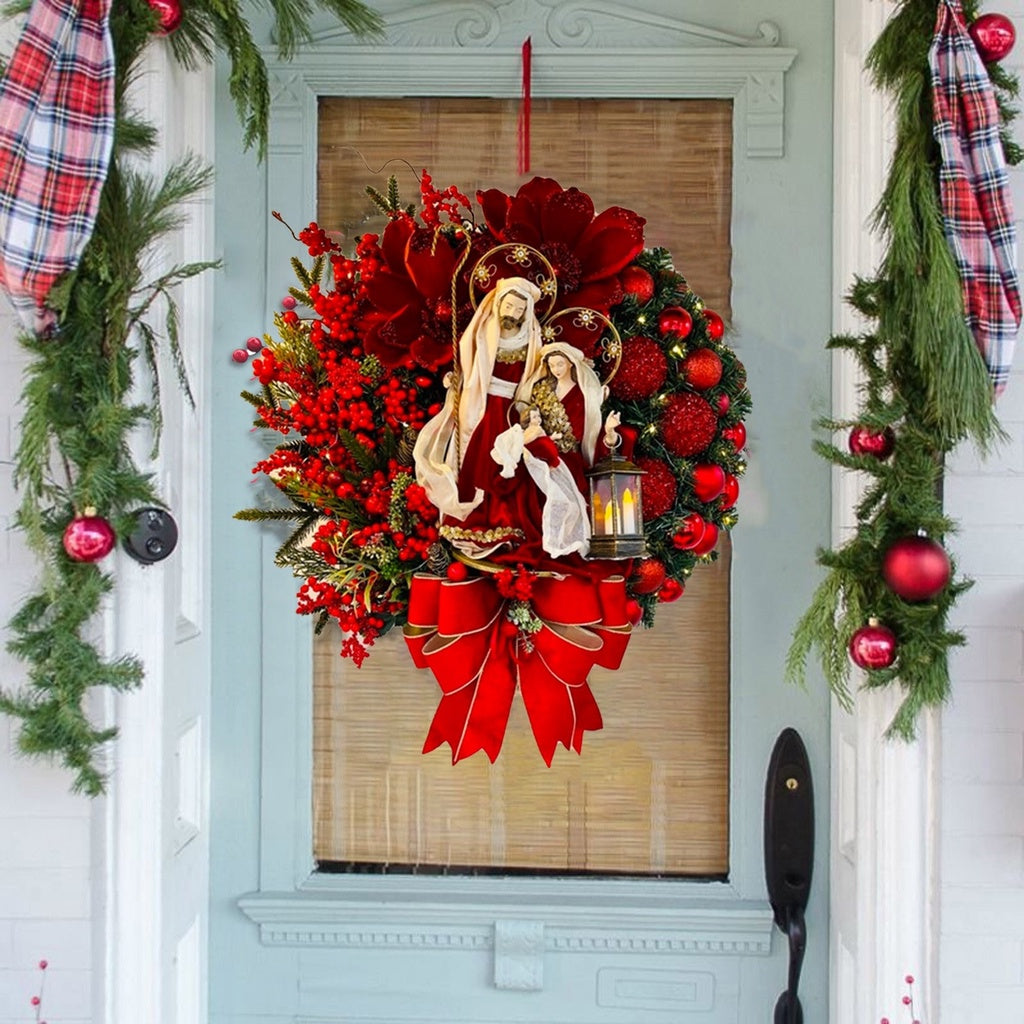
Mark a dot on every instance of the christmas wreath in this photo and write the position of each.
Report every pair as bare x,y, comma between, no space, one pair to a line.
364,383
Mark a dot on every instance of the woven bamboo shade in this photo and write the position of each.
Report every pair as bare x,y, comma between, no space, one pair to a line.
651,792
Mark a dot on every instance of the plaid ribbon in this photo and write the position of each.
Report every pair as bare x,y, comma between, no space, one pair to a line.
56,134
975,195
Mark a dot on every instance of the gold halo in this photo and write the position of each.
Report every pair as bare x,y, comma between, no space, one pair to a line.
612,353
519,256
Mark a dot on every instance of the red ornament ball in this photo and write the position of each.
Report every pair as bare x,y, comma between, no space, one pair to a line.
659,487
702,368
88,538
730,492
169,15
689,532
254,344
240,355
737,435
676,321
708,481
634,611
457,571
637,282
649,576
688,424
873,646
715,325
671,590
708,541
993,36
642,371
288,302
916,568
722,404
877,444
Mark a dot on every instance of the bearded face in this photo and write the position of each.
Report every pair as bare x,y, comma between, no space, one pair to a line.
512,311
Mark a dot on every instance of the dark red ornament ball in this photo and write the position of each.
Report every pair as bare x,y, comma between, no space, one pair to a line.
688,424
873,646
88,538
254,344
715,325
648,576
637,282
876,443
916,568
671,590
240,355
659,487
169,14
642,371
675,321
993,36
702,368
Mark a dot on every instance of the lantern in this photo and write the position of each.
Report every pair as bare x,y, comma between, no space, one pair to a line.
616,511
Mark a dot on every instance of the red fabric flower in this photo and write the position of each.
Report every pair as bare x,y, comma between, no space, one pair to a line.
587,252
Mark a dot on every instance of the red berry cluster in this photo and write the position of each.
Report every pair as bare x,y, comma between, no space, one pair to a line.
451,203
317,240
517,585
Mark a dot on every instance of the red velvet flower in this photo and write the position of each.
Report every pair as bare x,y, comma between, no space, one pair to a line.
410,298
587,252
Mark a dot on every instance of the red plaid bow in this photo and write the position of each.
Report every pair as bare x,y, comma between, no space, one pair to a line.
975,195
56,135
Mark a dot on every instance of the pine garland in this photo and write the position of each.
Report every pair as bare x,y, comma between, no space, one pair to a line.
79,417
922,377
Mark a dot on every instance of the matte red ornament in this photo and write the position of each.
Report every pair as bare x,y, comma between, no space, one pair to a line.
916,568
660,487
637,282
730,492
708,480
642,371
689,531
688,424
715,325
708,541
873,646
457,572
737,435
993,36
169,13
702,369
671,590
865,441
634,611
649,576
88,538
676,321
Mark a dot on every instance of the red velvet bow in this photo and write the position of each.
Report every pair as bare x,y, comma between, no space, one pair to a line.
460,631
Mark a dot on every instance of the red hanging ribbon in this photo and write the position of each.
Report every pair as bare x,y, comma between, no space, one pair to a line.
459,630
524,110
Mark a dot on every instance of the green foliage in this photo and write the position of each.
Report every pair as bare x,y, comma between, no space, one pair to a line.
922,377
79,416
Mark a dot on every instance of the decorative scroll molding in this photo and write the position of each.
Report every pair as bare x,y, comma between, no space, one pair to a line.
726,926
461,47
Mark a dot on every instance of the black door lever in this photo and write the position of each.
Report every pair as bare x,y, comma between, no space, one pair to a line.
789,856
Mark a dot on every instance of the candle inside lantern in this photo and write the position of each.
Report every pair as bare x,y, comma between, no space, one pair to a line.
598,516
609,518
628,512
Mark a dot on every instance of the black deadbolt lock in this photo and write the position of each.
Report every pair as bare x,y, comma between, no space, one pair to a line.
154,537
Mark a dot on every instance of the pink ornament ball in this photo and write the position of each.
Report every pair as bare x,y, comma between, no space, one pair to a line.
169,15
916,568
873,646
88,538
254,344
288,302
993,35
240,355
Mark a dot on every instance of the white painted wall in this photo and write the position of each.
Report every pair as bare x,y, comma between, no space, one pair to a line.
46,900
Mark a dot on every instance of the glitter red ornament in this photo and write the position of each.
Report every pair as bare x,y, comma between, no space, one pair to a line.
993,36
715,325
865,441
169,14
676,321
916,568
671,590
688,424
702,369
642,371
88,537
708,481
648,577
873,646
660,486
637,282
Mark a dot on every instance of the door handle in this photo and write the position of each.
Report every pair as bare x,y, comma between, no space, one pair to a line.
789,856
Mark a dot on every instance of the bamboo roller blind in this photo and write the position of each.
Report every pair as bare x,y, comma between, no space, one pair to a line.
651,792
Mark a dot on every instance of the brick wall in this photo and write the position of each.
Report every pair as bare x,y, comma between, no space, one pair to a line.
45,832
